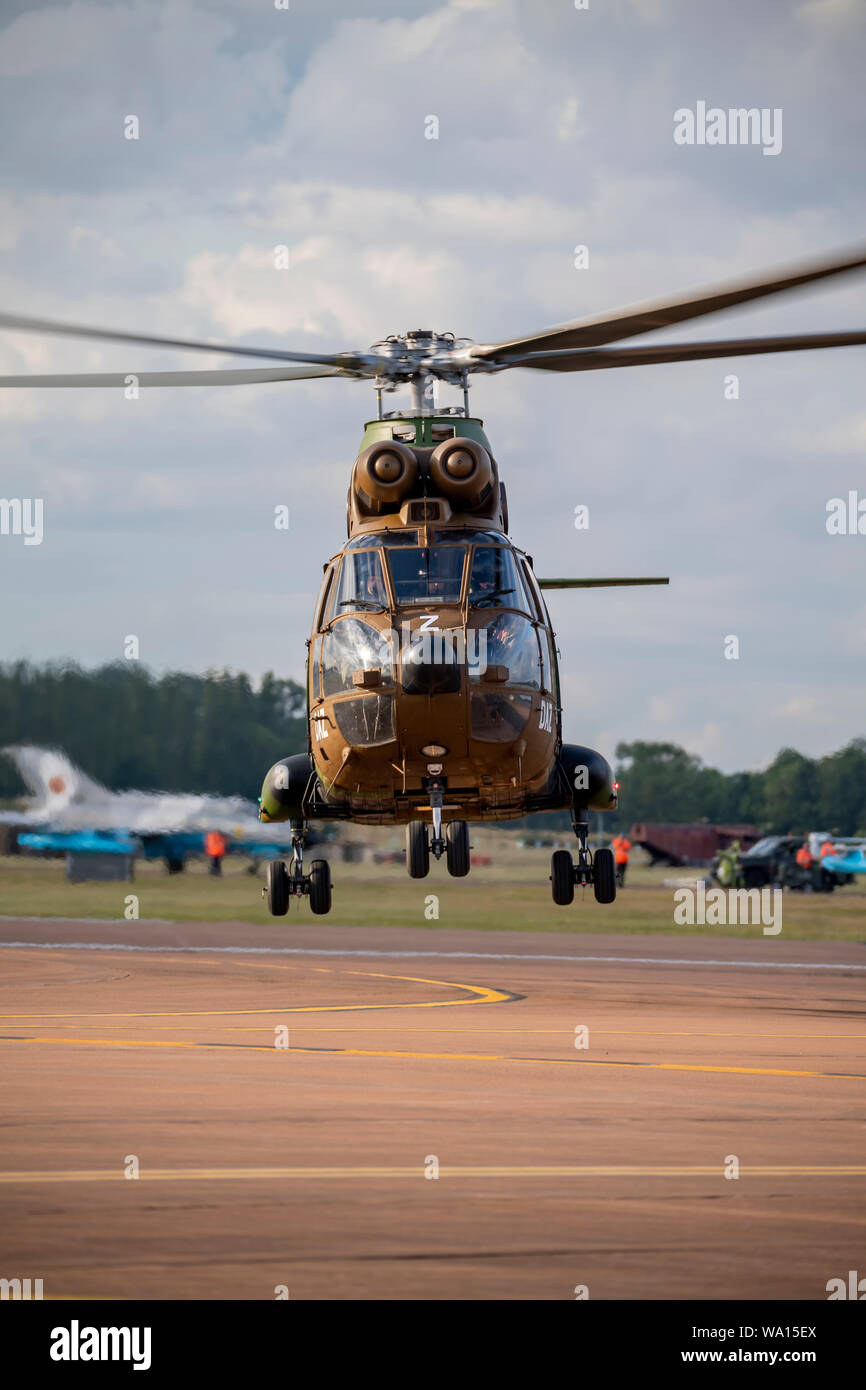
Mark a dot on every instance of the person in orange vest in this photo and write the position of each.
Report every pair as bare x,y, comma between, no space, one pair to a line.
215,848
805,861
827,848
620,846
804,857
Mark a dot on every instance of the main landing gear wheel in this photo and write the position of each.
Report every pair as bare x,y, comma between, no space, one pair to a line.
457,848
277,888
562,877
320,887
417,849
604,876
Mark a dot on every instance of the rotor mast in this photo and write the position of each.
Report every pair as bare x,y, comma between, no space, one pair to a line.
418,359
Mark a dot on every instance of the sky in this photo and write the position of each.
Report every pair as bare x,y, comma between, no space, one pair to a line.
306,127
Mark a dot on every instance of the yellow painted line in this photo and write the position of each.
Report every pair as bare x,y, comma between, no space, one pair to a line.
574,1061
565,1032
481,994
484,994
353,1173
438,1056
657,1033
757,1071
132,1042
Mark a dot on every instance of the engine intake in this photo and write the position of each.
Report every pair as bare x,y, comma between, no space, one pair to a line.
384,473
462,470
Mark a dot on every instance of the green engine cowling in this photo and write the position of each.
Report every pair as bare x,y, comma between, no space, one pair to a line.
589,776
286,788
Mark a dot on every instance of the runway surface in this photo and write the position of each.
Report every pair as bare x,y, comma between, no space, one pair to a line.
309,1168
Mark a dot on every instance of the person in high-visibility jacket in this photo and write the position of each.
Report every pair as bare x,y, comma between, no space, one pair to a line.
620,846
804,857
215,848
827,848
728,871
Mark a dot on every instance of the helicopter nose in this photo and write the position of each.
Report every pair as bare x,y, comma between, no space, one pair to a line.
428,672
430,678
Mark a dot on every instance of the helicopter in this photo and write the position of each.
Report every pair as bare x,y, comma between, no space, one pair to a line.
433,696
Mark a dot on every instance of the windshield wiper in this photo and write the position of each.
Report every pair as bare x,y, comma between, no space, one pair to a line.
487,600
362,603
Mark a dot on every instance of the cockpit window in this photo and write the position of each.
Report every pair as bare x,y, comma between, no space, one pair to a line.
467,533
351,648
495,580
509,643
323,595
361,586
380,538
531,584
430,575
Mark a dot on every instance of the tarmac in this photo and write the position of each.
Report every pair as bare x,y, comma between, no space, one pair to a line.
220,1111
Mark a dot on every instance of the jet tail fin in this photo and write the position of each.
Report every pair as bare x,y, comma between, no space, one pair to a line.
52,780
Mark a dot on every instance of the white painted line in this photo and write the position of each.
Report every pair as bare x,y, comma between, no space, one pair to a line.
98,921
419,955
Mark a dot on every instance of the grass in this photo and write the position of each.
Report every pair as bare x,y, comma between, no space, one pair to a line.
510,894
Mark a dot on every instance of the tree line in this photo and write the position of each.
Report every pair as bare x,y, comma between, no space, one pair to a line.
220,732
128,728
662,782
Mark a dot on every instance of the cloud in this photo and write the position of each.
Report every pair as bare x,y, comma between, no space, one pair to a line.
306,128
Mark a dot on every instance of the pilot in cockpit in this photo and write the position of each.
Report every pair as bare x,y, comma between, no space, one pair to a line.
371,587
485,575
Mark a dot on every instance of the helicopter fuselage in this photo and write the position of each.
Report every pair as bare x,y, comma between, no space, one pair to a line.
432,659
429,668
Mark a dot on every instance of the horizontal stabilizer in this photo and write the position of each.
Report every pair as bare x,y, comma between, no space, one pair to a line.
596,583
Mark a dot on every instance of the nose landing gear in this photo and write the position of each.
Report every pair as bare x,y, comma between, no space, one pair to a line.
454,844
597,869
283,882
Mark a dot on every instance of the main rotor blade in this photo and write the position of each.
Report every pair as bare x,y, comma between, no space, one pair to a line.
349,360
628,323
246,376
596,583
590,359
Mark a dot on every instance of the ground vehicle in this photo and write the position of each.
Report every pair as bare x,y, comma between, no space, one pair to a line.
772,861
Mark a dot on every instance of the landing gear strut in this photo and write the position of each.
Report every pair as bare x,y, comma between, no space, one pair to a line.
436,786
597,869
283,882
454,844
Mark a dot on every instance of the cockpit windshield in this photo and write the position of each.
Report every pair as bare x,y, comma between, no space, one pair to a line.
371,541
495,580
433,574
362,584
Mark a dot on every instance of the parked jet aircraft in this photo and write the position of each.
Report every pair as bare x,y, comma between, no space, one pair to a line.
64,802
